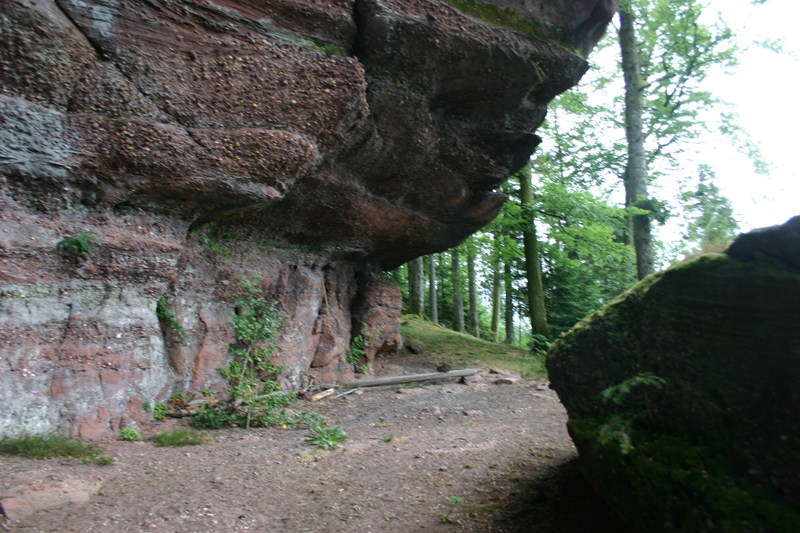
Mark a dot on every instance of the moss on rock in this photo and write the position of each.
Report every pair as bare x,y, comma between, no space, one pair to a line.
718,447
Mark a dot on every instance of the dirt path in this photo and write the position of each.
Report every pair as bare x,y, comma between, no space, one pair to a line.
433,458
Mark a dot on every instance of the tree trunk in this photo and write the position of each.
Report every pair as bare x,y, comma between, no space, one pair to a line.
509,314
458,297
533,268
416,294
636,167
496,290
432,296
474,319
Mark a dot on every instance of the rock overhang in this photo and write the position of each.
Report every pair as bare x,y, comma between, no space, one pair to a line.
308,143
300,111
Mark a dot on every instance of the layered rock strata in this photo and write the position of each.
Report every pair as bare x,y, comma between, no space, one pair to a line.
191,144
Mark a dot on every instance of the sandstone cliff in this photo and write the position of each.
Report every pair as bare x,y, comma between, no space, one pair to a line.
309,142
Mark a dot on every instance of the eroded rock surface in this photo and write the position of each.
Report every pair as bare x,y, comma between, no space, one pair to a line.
311,143
717,447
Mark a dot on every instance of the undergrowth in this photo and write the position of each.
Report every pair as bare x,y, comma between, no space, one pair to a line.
257,398
357,353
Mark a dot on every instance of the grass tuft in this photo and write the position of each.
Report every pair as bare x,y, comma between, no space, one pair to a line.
49,446
179,437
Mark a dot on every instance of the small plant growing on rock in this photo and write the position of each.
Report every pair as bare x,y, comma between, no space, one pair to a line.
358,349
169,321
252,375
77,246
160,411
620,426
130,434
256,396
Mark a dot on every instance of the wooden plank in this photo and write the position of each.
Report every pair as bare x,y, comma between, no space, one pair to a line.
324,394
395,380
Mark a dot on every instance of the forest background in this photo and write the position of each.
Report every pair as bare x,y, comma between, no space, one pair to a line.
635,172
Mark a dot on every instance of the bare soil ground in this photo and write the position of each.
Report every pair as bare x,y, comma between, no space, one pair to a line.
436,457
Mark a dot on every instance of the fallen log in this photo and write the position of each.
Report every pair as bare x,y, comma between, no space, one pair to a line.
395,380
345,393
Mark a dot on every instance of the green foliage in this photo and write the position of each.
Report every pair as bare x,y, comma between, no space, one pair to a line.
160,411
251,375
146,406
257,398
454,499
619,427
620,392
130,434
326,437
711,224
586,260
169,321
49,446
358,348
539,345
214,418
79,245
389,437
179,437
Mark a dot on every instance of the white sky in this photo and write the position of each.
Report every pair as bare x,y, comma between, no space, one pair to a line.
763,89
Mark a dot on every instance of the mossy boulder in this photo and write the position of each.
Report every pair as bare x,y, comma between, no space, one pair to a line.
683,394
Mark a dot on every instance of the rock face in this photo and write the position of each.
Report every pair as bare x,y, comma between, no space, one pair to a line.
191,144
716,445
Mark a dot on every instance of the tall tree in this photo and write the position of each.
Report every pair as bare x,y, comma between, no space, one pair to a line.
497,280
433,298
472,282
458,296
509,307
533,266
635,177
416,292
712,225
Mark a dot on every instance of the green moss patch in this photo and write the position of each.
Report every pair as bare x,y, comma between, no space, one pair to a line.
512,20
